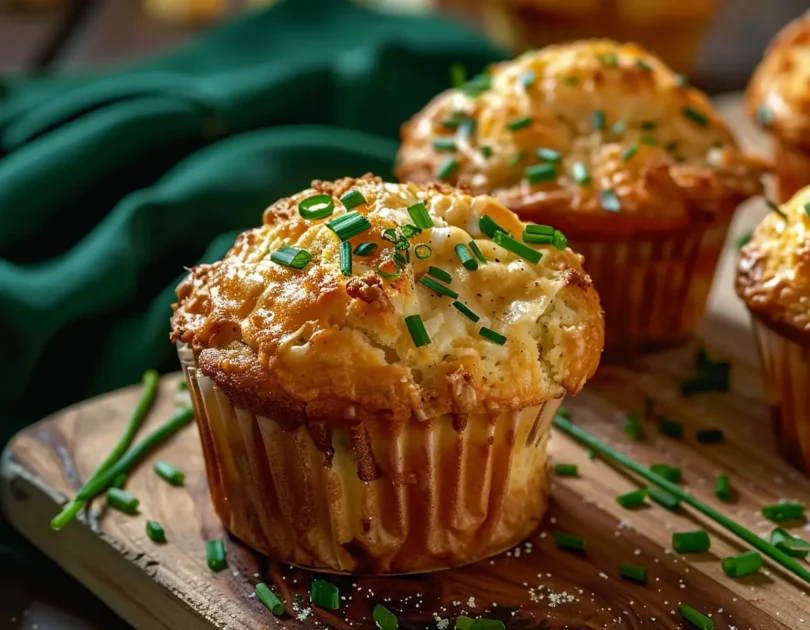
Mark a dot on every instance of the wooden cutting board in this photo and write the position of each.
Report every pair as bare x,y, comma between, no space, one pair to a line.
535,585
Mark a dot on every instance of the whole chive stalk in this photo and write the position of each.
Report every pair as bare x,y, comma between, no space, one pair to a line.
122,501
566,470
697,619
691,542
215,555
783,512
569,541
171,474
155,532
743,564
324,594
384,619
663,498
631,500
150,382
119,482
633,573
722,488
269,599
632,427
608,452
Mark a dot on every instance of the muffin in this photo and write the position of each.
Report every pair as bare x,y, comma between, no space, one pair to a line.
374,377
605,143
673,29
773,278
778,99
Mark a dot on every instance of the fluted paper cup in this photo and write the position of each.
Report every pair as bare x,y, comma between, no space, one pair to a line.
385,498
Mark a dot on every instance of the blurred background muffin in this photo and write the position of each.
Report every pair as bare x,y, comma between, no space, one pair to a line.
607,144
773,279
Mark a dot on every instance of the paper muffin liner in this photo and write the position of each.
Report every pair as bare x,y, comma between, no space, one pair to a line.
786,375
792,168
450,490
653,291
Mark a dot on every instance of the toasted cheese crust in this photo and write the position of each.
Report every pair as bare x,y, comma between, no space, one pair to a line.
777,96
773,274
314,344
615,118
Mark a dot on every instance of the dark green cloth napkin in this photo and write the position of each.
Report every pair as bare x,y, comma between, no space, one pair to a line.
110,184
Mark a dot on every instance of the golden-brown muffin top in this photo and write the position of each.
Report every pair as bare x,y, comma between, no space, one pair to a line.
773,274
589,128
316,343
778,95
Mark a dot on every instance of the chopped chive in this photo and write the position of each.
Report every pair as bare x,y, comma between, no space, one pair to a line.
650,141
691,542
696,116
431,284
120,480
807,209
409,231
346,258
316,207
401,260
663,498
633,573
618,128
580,173
792,545
743,564
182,385
527,79
631,500
269,599
590,454
291,257
486,151
477,252
517,124
671,428
566,470
632,427
709,436
670,473
563,413
440,274
390,235
458,75
629,152
489,227
549,155
682,80
447,168
774,207
454,120
722,487
515,159
598,119
783,512
122,501
609,201
420,216
365,249
492,336
215,555
569,541
487,624
571,81
173,475
384,618
643,65
324,594
697,619
609,59
649,125
764,115
417,330
671,146
534,228
352,199
466,257
461,308
544,172
155,532
422,251
389,275
476,86
444,144
349,225
517,248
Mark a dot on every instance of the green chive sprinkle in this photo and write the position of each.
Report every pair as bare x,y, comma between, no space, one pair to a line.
420,216
454,120
571,81
609,200
618,128
709,436
384,618
417,329
440,274
444,144
609,59
486,151
477,252
122,501
349,225
120,480
783,512
693,616
431,284
566,470
633,573
649,125
598,119
489,227
365,249
527,79
492,336
743,564
316,207
663,498
549,155
352,199
182,385
629,152
650,141
461,308
458,75
171,474
569,541
671,146
519,123
807,209
389,275
643,65
691,542
517,248
155,532
544,172
533,229
422,251
670,473
764,115
631,500
463,622
447,168
487,624
695,116
390,235
632,427
324,595
346,258
269,599
682,80
215,555
291,257
792,545
722,488
580,173
476,86
409,231
671,428
466,257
